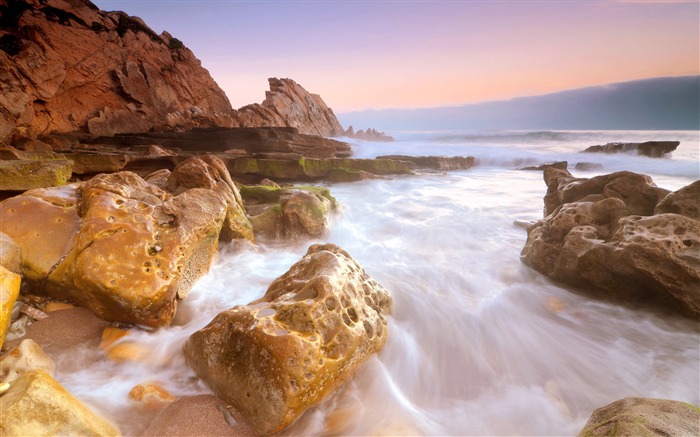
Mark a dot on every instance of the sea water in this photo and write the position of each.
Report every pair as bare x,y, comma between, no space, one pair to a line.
479,344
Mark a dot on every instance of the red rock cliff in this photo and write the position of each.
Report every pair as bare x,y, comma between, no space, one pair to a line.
66,66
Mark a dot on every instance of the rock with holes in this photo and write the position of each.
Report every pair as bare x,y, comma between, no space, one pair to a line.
275,357
35,404
116,244
600,244
685,201
289,212
633,417
23,358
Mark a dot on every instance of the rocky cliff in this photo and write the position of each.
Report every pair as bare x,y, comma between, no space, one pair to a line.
66,66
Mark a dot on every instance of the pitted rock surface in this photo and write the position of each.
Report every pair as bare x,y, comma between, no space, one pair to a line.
280,355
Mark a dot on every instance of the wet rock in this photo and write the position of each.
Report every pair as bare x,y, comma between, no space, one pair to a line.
24,357
561,165
280,355
685,201
9,253
196,416
290,212
210,172
151,396
632,417
9,290
120,246
653,149
18,175
603,245
588,166
35,404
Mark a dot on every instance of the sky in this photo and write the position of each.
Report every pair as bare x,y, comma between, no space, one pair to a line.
407,54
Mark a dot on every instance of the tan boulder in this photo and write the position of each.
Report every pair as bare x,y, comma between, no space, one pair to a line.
35,404
278,356
9,290
23,358
151,396
211,173
634,417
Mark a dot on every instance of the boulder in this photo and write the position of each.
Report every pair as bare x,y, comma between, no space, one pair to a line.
633,417
122,247
290,212
278,356
685,201
9,253
19,175
151,396
597,240
653,149
9,290
35,404
23,358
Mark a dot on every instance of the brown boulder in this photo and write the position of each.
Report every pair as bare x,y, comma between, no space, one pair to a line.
633,417
685,201
10,257
599,243
35,404
278,356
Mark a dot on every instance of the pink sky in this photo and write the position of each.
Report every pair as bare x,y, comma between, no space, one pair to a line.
402,54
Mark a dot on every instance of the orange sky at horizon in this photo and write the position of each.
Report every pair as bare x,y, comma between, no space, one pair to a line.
408,54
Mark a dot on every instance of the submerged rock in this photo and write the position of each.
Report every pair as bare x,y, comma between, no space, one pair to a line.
602,236
280,355
122,247
35,404
653,149
633,417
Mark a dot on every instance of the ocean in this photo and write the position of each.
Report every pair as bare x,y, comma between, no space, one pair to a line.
479,344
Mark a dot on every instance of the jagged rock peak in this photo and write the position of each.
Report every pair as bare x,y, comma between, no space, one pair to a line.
288,104
66,66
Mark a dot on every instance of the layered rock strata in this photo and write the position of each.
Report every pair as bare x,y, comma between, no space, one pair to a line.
125,248
280,355
606,235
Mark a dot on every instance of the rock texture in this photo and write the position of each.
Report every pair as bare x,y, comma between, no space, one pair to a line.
35,404
122,247
633,417
66,66
23,358
288,104
653,149
16,175
602,234
290,212
278,356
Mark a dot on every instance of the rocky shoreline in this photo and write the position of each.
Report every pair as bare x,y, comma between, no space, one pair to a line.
117,197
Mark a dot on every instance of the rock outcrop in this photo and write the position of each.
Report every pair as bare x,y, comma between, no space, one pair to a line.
121,246
602,234
35,404
67,66
288,104
633,417
370,134
653,149
279,355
